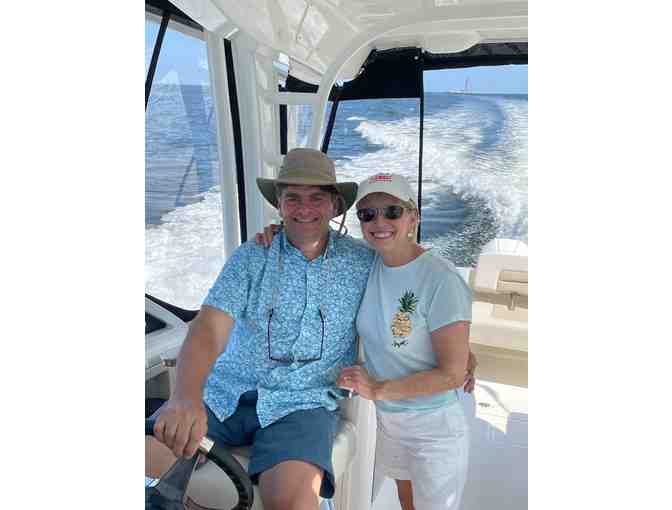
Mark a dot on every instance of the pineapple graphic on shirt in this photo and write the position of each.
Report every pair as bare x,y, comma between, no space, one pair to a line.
401,324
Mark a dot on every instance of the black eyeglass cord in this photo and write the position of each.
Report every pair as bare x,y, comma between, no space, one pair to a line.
281,267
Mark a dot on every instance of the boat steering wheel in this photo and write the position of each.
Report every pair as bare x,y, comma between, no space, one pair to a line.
168,493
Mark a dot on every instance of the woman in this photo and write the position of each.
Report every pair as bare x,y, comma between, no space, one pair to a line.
414,327
413,324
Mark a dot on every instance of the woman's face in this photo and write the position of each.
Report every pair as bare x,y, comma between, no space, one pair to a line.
384,234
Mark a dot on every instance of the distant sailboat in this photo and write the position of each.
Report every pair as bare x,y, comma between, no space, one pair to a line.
465,90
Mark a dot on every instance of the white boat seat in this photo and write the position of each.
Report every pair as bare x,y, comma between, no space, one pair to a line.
500,276
500,290
210,487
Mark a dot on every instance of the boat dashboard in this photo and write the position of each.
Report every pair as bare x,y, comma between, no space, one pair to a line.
165,329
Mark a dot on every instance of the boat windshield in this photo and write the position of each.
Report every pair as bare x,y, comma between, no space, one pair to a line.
474,162
182,200
474,168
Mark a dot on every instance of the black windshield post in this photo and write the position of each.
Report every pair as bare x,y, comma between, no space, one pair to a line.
330,124
155,55
237,139
422,127
283,129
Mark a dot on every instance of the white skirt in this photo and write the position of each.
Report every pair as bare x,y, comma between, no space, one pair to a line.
429,448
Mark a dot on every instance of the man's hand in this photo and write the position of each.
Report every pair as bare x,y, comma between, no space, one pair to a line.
267,237
470,378
356,378
181,426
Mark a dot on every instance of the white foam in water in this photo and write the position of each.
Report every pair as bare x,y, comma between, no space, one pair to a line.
451,161
184,254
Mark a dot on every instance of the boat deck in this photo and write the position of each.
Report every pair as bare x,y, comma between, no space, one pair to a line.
498,418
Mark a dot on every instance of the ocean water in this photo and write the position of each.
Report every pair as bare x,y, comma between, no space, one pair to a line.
474,183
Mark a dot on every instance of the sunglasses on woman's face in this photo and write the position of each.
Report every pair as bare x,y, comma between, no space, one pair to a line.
391,212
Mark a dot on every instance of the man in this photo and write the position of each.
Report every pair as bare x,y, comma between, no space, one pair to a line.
260,360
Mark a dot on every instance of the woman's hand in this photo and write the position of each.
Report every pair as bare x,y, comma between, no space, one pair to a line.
356,378
470,378
267,237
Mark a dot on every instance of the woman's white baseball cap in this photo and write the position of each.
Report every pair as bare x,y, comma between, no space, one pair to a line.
392,184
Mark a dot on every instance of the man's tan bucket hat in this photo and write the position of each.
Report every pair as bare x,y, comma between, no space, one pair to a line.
307,167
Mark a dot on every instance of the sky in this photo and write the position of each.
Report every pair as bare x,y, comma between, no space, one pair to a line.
487,80
184,58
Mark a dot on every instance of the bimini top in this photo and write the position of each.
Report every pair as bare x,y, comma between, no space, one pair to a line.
335,37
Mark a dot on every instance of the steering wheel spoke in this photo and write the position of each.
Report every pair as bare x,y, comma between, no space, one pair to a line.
170,491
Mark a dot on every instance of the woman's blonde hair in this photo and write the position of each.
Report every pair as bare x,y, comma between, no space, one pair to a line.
410,204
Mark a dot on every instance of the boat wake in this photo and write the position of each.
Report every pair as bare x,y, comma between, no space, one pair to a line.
474,185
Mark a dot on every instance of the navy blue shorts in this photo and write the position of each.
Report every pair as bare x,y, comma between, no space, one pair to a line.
306,435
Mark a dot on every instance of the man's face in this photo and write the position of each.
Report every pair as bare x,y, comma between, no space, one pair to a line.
306,211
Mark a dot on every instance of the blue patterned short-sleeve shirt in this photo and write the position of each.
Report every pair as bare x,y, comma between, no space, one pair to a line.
256,279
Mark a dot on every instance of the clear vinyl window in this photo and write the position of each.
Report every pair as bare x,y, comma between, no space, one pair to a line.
183,222
474,155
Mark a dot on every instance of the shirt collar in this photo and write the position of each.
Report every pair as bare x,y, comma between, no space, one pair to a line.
285,246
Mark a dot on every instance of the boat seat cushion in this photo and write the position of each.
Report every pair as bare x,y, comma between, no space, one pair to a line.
500,285
495,326
500,276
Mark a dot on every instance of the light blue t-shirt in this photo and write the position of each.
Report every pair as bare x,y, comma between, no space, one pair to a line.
401,307
314,305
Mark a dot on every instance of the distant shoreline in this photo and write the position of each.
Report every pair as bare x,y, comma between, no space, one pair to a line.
458,93
453,92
